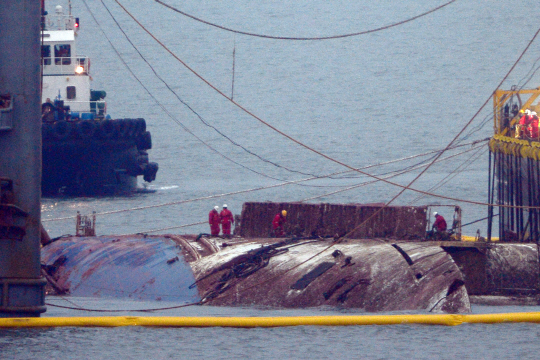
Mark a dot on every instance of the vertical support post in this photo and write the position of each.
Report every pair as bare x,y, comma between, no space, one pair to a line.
21,284
490,201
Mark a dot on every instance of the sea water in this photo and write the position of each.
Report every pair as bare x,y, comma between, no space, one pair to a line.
360,100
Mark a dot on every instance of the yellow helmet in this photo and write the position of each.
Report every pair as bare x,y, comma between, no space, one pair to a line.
284,212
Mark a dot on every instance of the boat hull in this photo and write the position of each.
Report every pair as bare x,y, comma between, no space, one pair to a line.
95,157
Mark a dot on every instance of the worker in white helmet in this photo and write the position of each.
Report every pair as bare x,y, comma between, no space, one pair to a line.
214,220
522,126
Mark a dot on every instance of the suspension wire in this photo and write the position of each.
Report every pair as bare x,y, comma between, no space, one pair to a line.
408,187
465,164
526,79
199,116
80,308
529,73
394,174
185,128
338,240
475,221
306,38
383,207
248,190
166,228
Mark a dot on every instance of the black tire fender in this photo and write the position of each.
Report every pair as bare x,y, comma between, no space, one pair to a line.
107,129
86,129
144,141
61,130
123,127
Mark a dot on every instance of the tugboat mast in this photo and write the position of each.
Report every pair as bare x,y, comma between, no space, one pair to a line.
21,284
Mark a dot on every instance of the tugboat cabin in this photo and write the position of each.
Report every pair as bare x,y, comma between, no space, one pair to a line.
66,75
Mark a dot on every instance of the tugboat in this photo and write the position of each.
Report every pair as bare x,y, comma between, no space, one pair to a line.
85,151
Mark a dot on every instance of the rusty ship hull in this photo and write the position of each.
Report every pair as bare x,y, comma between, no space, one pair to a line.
368,275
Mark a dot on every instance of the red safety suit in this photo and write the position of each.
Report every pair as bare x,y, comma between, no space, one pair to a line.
277,224
522,128
226,220
525,120
440,223
214,220
532,129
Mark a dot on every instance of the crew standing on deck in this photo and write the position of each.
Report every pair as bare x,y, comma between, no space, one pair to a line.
279,221
533,126
226,221
214,220
523,124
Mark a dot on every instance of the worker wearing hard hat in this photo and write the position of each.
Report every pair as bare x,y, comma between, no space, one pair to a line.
279,221
226,221
524,121
440,224
214,220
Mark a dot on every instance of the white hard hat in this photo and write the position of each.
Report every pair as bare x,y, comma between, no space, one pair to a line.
534,113
528,112
435,213
216,207
224,205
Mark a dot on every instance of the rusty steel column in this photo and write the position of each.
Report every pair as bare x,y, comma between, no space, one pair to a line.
21,283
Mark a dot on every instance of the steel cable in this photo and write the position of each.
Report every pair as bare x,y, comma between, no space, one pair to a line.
306,38
307,147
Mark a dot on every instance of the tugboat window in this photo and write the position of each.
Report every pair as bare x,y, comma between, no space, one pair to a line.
62,53
71,92
46,54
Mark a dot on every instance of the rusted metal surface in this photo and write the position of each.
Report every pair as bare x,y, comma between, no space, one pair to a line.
85,225
512,269
398,222
366,274
135,266
497,269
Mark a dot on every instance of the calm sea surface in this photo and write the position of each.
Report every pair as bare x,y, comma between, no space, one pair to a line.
361,100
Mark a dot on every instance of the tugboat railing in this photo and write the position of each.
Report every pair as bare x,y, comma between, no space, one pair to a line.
98,107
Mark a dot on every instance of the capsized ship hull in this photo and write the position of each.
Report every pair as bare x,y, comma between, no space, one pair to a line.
364,274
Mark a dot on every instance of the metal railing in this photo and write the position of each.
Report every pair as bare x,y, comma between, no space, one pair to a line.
98,107
59,21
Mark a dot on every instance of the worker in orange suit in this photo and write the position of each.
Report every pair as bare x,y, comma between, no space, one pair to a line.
226,221
214,220
523,124
279,221
533,126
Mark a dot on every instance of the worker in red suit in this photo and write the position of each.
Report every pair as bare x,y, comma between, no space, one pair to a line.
214,220
226,221
533,126
523,124
440,224
279,221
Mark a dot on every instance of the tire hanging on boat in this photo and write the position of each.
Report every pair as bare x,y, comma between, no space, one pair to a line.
86,129
144,141
61,130
107,129
123,127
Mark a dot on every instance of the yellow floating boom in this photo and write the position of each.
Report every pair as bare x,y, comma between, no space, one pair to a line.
251,322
